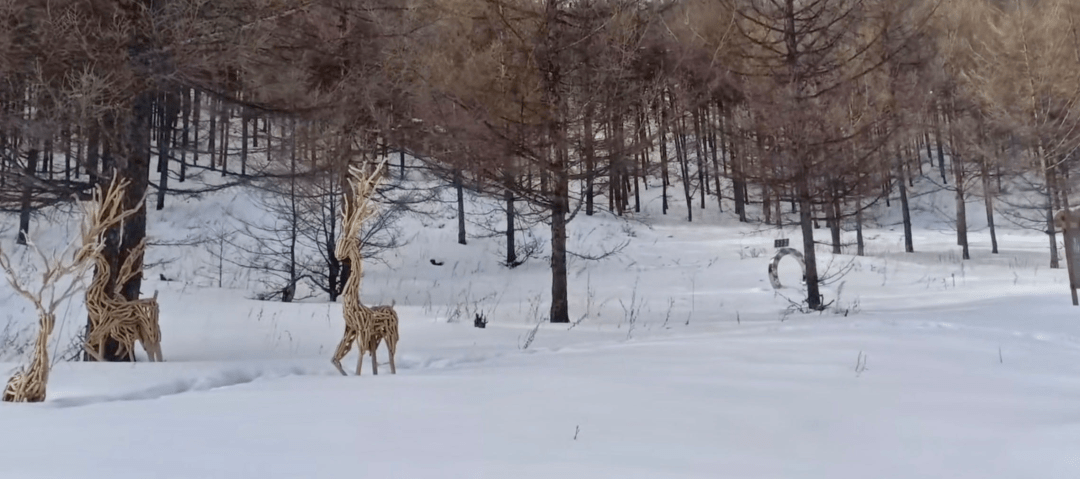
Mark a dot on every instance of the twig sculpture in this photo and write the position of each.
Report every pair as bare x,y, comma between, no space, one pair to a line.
366,326
28,384
114,316
384,328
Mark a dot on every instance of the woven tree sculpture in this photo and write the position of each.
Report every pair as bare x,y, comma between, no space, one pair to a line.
103,212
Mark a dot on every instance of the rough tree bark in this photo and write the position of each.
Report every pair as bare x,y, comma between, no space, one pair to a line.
961,206
905,210
511,247
460,206
27,195
588,152
662,138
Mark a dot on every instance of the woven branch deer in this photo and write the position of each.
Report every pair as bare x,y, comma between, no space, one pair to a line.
100,214
367,326
114,316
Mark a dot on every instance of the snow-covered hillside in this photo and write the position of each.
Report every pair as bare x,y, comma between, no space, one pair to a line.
682,362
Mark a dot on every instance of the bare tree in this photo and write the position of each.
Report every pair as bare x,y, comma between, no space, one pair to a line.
1019,63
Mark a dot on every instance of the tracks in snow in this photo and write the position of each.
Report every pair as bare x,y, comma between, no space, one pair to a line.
218,380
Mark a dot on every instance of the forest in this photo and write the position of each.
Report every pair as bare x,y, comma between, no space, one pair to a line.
803,112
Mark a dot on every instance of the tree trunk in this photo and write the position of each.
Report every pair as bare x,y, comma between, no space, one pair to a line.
67,154
210,145
243,141
560,206
703,184
813,293
137,170
646,148
716,168
639,163
961,206
289,291
460,206
332,263
511,248
680,153
988,198
940,149
559,199
196,105
588,154
779,216
78,151
618,163
168,115
905,210
224,156
738,183
93,147
833,209
27,194
185,108
49,158
663,158
929,152
560,312
859,243
1051,230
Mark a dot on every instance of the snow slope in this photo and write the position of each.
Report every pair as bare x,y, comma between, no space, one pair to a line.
682,362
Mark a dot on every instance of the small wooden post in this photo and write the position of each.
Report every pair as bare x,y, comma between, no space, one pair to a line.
1068,221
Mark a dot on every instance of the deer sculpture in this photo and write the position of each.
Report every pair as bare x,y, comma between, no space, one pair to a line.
366,326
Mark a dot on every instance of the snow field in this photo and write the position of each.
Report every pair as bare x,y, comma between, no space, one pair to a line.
683,362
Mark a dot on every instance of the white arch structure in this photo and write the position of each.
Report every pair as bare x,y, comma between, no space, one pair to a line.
773,276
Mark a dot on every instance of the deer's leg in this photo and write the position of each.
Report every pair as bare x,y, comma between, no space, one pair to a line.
130,344
337,364
94,354
343,349
153,351
392,346
374,360
359,356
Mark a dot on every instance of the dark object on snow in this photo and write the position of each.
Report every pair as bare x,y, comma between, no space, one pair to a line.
163,278
437,263
288,292
480,322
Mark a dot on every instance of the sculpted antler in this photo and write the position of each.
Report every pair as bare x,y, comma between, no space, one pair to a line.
358,208
104,211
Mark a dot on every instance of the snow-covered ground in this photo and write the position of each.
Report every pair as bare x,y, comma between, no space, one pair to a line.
682,362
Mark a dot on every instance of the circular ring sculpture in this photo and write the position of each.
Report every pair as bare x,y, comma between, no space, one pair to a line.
773,276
